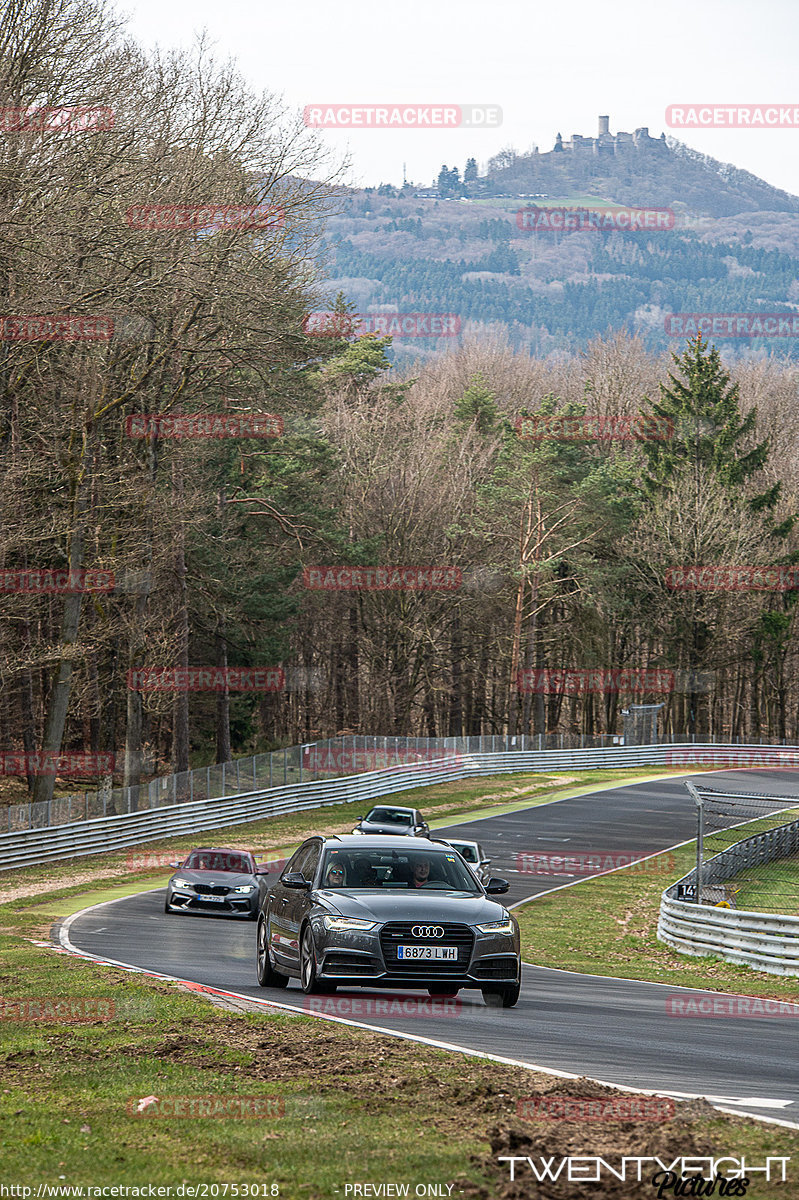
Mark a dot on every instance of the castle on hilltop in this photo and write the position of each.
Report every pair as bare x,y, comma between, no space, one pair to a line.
610,143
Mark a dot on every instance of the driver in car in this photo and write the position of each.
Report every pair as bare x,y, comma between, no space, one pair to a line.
421,872
335,876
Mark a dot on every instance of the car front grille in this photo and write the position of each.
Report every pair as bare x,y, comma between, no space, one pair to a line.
398,933
211,889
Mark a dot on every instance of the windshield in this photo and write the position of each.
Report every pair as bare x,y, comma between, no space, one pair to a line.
391,816
218,860
388,870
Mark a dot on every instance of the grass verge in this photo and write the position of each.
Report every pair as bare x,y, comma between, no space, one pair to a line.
343,1105
608,926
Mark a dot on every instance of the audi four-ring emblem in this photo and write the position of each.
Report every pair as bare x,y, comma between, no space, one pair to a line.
429,931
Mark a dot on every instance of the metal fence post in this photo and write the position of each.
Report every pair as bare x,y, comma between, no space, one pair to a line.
285,766
238,780
223,779
700,835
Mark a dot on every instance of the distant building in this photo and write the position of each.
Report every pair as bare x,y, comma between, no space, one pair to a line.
609,143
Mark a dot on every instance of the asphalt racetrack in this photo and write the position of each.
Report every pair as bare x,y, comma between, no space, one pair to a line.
615,1030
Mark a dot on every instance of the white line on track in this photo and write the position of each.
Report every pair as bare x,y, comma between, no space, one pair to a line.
70,948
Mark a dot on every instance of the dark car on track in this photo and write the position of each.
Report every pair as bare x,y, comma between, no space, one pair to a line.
216,880
384,912
387,818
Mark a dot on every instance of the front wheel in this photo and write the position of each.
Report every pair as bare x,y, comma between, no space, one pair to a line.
167,909
503,997
267,975
310,984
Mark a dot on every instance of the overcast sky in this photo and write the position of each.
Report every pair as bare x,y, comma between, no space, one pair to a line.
551,66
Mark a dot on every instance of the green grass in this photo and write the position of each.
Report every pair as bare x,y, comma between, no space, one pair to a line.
769,887
608,926
347,1105
355,1106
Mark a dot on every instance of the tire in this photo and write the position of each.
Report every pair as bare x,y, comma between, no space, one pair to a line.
310,984
267,975
506,996
167,909
442,989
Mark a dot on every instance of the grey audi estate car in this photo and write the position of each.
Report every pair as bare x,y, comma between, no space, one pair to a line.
383,911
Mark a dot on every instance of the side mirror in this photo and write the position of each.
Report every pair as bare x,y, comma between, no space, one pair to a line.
495,887
176,866
296,880
262,869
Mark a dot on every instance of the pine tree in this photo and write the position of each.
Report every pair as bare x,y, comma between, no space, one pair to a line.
701,423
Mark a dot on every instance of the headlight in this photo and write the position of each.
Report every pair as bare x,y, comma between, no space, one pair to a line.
348,923
504,926
181,883
245,887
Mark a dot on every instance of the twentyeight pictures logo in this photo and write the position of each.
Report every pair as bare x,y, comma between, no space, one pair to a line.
402,116
394,324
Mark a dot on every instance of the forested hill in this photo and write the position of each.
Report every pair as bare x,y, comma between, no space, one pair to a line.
458,249
664,174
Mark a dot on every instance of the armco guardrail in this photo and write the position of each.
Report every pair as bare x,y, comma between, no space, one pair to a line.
131,829
765,941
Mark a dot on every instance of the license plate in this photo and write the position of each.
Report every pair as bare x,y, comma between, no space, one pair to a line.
212,899
447,952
